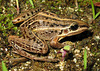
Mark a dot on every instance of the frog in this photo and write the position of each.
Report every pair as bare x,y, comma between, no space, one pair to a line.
41,27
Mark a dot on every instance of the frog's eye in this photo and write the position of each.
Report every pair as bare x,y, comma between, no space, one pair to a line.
74,27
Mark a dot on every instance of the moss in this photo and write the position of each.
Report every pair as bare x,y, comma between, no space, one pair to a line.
6,23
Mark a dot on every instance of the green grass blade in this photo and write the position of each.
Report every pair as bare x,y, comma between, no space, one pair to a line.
97,14
93,10
31,3
85,59
4,68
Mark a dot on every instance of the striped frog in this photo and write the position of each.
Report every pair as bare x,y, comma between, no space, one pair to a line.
39,28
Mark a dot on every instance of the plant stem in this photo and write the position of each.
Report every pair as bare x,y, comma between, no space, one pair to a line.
93,10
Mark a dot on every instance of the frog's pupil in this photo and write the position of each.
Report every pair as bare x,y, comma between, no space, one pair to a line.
74,27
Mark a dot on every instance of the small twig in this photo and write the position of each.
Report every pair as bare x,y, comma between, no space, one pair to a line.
17,6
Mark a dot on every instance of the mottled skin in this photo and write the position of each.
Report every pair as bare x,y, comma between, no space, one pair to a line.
41,27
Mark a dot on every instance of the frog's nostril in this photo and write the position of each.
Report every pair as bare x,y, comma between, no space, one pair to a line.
18,19
74,27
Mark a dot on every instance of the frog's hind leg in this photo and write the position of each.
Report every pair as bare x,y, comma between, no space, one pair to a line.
34,45
23,46
32,57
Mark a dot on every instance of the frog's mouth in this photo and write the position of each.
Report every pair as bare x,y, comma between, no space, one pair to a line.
77,37
73,30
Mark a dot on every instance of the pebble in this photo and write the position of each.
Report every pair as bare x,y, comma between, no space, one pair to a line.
87,48
1,49
61,65
98,59
15,69
97,37
77,65
6,49
75,60
59,7
43,0
77,51
78,55
92,43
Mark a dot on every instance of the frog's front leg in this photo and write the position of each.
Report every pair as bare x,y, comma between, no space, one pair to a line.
55,43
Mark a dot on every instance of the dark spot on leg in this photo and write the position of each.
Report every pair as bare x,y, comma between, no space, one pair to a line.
55,31
31,12
23,16
51,25
28,14
51,31
40,48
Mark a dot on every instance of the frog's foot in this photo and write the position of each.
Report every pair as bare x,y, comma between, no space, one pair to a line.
32,57
55,43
